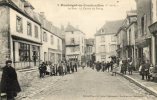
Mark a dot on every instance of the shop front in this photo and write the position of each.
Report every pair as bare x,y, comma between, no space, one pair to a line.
26,54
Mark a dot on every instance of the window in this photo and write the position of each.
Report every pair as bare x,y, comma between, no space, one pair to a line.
24,52
113,47
77,48
102,30
45,37
58,44
72,49
129,36
35,52
143,25
36,31
113,39
103,48
72,41
52,57
82,49
82,40
102,38
19,24
52,39
29,28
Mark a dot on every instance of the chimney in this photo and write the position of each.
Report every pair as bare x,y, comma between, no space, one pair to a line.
28,5
42,14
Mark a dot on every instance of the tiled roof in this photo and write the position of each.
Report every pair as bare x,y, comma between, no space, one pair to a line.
70,28
14,6
110,27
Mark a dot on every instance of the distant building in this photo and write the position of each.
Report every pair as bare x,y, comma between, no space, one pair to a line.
106,42
90,49
75,44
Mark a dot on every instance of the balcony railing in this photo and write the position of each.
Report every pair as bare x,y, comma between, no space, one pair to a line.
72,44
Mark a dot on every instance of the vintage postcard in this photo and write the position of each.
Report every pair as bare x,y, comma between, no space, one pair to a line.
78,49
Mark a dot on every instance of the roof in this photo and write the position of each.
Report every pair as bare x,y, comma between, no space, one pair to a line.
89,41
15,7
27,4
110,27
71,28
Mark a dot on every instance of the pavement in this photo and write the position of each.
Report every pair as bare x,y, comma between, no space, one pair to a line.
85,84
149,86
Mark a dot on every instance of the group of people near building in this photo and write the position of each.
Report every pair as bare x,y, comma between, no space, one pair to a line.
61,69
148,71
110,66
126,65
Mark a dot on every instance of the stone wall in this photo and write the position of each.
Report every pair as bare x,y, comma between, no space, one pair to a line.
4,34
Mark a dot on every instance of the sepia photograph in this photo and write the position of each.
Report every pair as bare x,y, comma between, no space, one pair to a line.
78,49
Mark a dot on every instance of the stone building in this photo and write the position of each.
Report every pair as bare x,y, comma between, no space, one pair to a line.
51,41
90,49
153,30
143,40
106,42
75,44
122,41
21,34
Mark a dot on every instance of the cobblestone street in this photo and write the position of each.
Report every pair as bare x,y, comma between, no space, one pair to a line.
88,84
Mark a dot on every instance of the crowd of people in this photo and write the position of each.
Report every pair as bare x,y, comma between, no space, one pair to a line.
113,66
61,69
147,71
104,66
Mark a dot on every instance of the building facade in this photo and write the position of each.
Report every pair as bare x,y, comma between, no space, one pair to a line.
126,41
52,42
143,40
153,30
75,44
90,49
122,42
21,34
106,42
131,35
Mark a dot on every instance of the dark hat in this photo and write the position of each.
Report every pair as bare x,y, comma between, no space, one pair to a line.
8,61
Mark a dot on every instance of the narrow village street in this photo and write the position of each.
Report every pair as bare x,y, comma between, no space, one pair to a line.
89,84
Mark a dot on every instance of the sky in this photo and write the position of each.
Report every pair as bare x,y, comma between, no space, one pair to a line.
88,20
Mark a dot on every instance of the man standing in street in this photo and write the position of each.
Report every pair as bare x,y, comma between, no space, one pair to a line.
9,83
147,67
